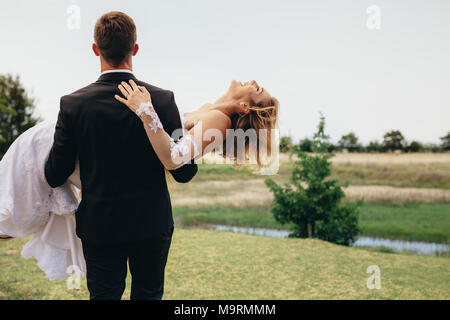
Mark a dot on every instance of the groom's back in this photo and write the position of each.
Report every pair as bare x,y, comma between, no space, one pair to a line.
111,142
124,191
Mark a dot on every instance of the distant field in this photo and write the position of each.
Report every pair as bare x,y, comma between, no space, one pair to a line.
421,170
253,192
413,221
426,158
205,264
407,196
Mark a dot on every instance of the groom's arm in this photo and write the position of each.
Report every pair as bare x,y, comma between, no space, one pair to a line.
188,171
62,157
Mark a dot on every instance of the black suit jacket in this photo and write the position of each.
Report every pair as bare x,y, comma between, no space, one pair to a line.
124,190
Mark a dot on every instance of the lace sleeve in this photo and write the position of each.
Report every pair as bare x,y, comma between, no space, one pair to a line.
181,150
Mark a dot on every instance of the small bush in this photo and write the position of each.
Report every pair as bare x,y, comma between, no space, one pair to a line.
316,210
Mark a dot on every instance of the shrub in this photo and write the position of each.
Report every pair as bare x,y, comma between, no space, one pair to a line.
285,144
312,201
305,145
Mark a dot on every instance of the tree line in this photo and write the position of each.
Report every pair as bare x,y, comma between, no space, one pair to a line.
17,111
17,114
392,141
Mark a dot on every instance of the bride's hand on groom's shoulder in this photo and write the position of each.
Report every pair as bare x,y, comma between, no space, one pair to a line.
134,95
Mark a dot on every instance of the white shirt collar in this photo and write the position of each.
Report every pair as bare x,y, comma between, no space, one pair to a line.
116,70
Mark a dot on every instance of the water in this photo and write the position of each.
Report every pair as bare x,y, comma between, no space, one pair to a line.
429,248
398,245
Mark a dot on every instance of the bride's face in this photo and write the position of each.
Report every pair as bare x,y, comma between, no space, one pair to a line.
249,92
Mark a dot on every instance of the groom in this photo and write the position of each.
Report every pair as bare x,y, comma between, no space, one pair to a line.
125,214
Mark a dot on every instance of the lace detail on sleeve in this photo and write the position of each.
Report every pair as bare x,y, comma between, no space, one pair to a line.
145,108
178,150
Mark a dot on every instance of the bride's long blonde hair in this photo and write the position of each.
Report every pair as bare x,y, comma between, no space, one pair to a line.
259,117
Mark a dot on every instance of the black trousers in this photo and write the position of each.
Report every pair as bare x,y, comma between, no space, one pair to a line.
107,268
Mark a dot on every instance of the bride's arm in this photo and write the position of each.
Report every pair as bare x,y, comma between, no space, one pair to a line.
171,154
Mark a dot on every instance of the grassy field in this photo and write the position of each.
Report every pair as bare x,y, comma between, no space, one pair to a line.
412,221
418,170
406,196
246,192
205,264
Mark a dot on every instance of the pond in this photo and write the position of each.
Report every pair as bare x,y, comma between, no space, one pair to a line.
397,245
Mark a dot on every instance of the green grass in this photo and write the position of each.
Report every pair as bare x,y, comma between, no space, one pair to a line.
248,216
381,249
205,264
207,172
412,221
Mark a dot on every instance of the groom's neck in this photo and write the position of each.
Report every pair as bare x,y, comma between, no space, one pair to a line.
105,66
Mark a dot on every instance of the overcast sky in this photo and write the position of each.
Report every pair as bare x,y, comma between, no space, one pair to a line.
312,55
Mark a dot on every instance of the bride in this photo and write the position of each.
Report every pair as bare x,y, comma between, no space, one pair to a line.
246,106
29,206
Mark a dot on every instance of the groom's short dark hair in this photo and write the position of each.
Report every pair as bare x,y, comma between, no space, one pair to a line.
115,36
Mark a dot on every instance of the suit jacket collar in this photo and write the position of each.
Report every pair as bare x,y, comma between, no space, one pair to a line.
116,77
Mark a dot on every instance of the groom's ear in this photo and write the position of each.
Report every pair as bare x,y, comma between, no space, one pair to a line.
135,50
95,49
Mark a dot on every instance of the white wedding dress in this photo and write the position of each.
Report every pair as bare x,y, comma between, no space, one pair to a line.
29,206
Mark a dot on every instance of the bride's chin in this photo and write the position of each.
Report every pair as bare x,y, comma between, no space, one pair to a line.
234,90
234,85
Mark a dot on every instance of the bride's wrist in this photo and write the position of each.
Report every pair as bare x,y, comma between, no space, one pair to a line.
149,117
145,108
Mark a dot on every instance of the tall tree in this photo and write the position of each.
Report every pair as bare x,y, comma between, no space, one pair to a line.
414,146
349,142
446,142
374,146
16,111
393,140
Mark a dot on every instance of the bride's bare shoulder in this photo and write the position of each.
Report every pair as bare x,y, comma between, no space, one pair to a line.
219,118
206,107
